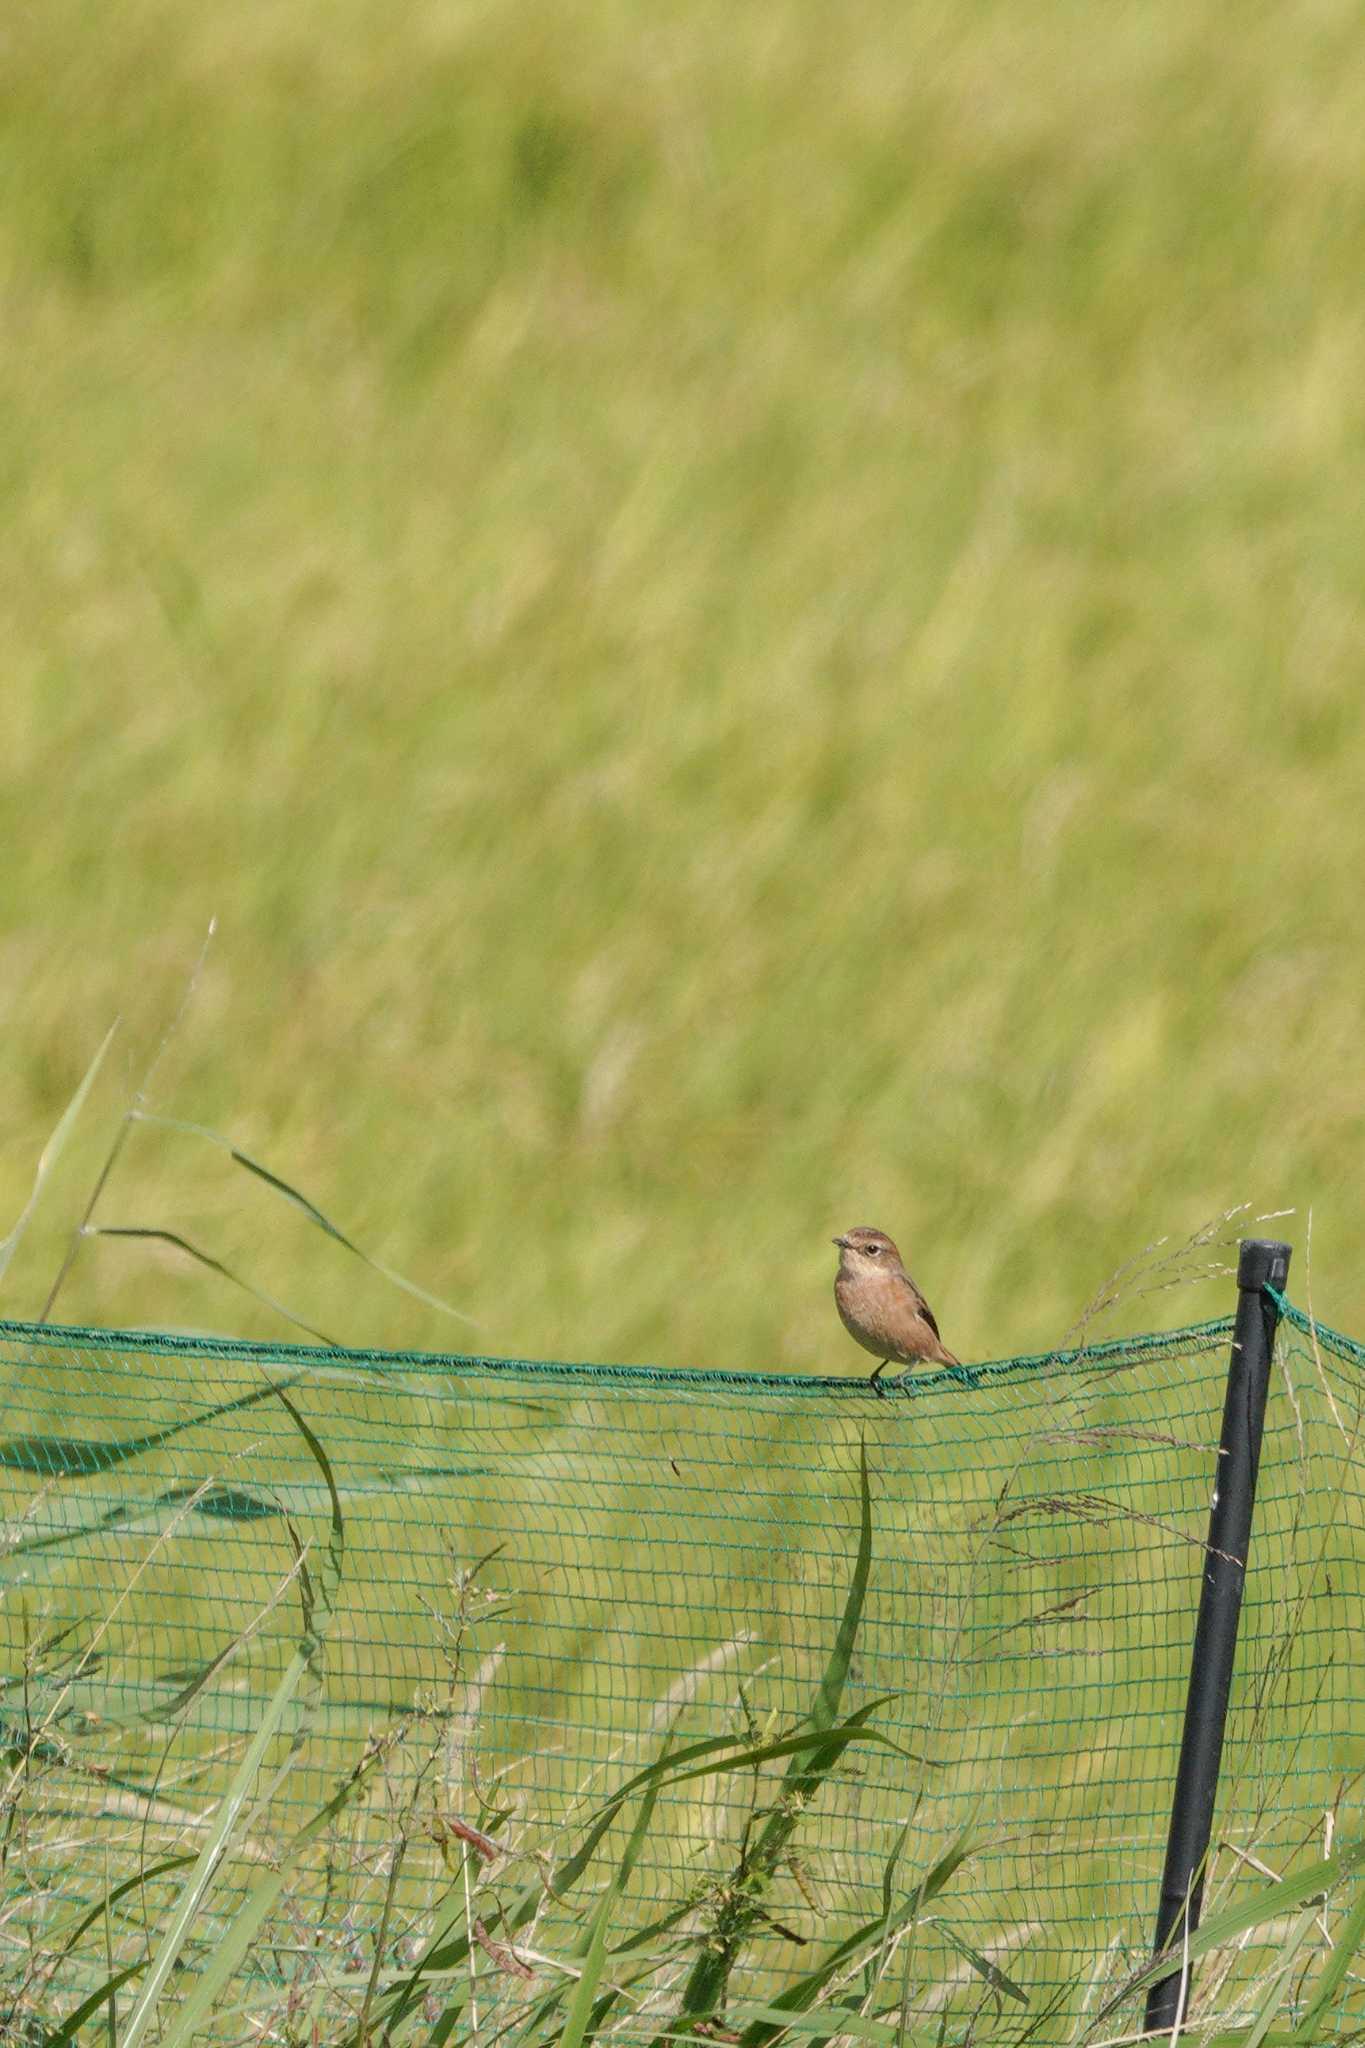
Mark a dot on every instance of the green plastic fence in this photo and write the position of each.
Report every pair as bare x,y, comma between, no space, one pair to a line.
533,1571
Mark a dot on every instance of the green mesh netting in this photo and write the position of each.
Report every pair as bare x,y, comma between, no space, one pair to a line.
533,1571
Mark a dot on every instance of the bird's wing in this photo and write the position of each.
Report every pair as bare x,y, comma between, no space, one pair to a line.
945,1356
928,1315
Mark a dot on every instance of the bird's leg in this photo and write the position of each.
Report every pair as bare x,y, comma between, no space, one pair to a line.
880,1392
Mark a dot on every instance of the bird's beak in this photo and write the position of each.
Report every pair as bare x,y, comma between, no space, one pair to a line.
842,1243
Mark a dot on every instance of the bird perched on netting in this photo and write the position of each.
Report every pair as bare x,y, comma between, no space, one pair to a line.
880,1305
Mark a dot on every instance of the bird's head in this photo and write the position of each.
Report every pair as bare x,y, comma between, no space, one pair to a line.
867,1251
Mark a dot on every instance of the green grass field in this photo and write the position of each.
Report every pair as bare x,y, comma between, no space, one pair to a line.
748,620
747,623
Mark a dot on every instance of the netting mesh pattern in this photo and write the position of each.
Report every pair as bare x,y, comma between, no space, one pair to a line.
534,1571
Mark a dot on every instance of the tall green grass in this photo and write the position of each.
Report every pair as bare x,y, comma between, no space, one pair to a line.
749,620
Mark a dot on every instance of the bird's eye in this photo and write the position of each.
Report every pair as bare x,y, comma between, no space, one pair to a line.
872,1250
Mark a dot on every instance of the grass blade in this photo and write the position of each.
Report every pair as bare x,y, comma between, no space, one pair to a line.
69,1931
68,1457
89,2008
1349,1938
231,1951
1286,1895
53,1149
1269,2003
826,1704
300,1201
224,1272
876,1934
983,1966
447,1948
580,2013
585,1989
822,2026
201,1877
741,1902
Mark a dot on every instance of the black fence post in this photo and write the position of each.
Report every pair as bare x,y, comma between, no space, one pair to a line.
1263,1262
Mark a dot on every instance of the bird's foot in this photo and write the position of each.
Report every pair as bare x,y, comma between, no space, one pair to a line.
875,1382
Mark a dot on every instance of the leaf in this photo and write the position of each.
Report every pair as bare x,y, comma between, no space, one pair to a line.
229,1952
201,1877
182,1244
822,2026
78,1457
64,1457
88,2007
826,1705
741,1908
447,1948
1285,1895
983,1965
1277,1979
835,1741
931,1884
69,1931
804,1991
310,1210
336,1545
1350,1935
53,1149
759,2026
576,2021
224,1503
231,1948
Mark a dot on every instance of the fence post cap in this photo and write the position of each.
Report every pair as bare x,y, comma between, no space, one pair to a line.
1263,1262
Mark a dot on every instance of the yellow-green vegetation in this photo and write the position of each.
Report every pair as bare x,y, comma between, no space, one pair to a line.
750,619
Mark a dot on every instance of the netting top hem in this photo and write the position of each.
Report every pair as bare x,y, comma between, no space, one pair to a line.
1336,1341
1112,1353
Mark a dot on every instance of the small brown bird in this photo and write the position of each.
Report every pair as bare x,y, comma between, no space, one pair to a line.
880,1305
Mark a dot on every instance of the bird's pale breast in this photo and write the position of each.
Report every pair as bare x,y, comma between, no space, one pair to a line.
882,1313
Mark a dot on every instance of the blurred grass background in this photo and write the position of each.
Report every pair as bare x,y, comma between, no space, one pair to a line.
750,622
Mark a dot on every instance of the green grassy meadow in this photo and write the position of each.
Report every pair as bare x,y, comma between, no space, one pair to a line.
748,620
747,623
